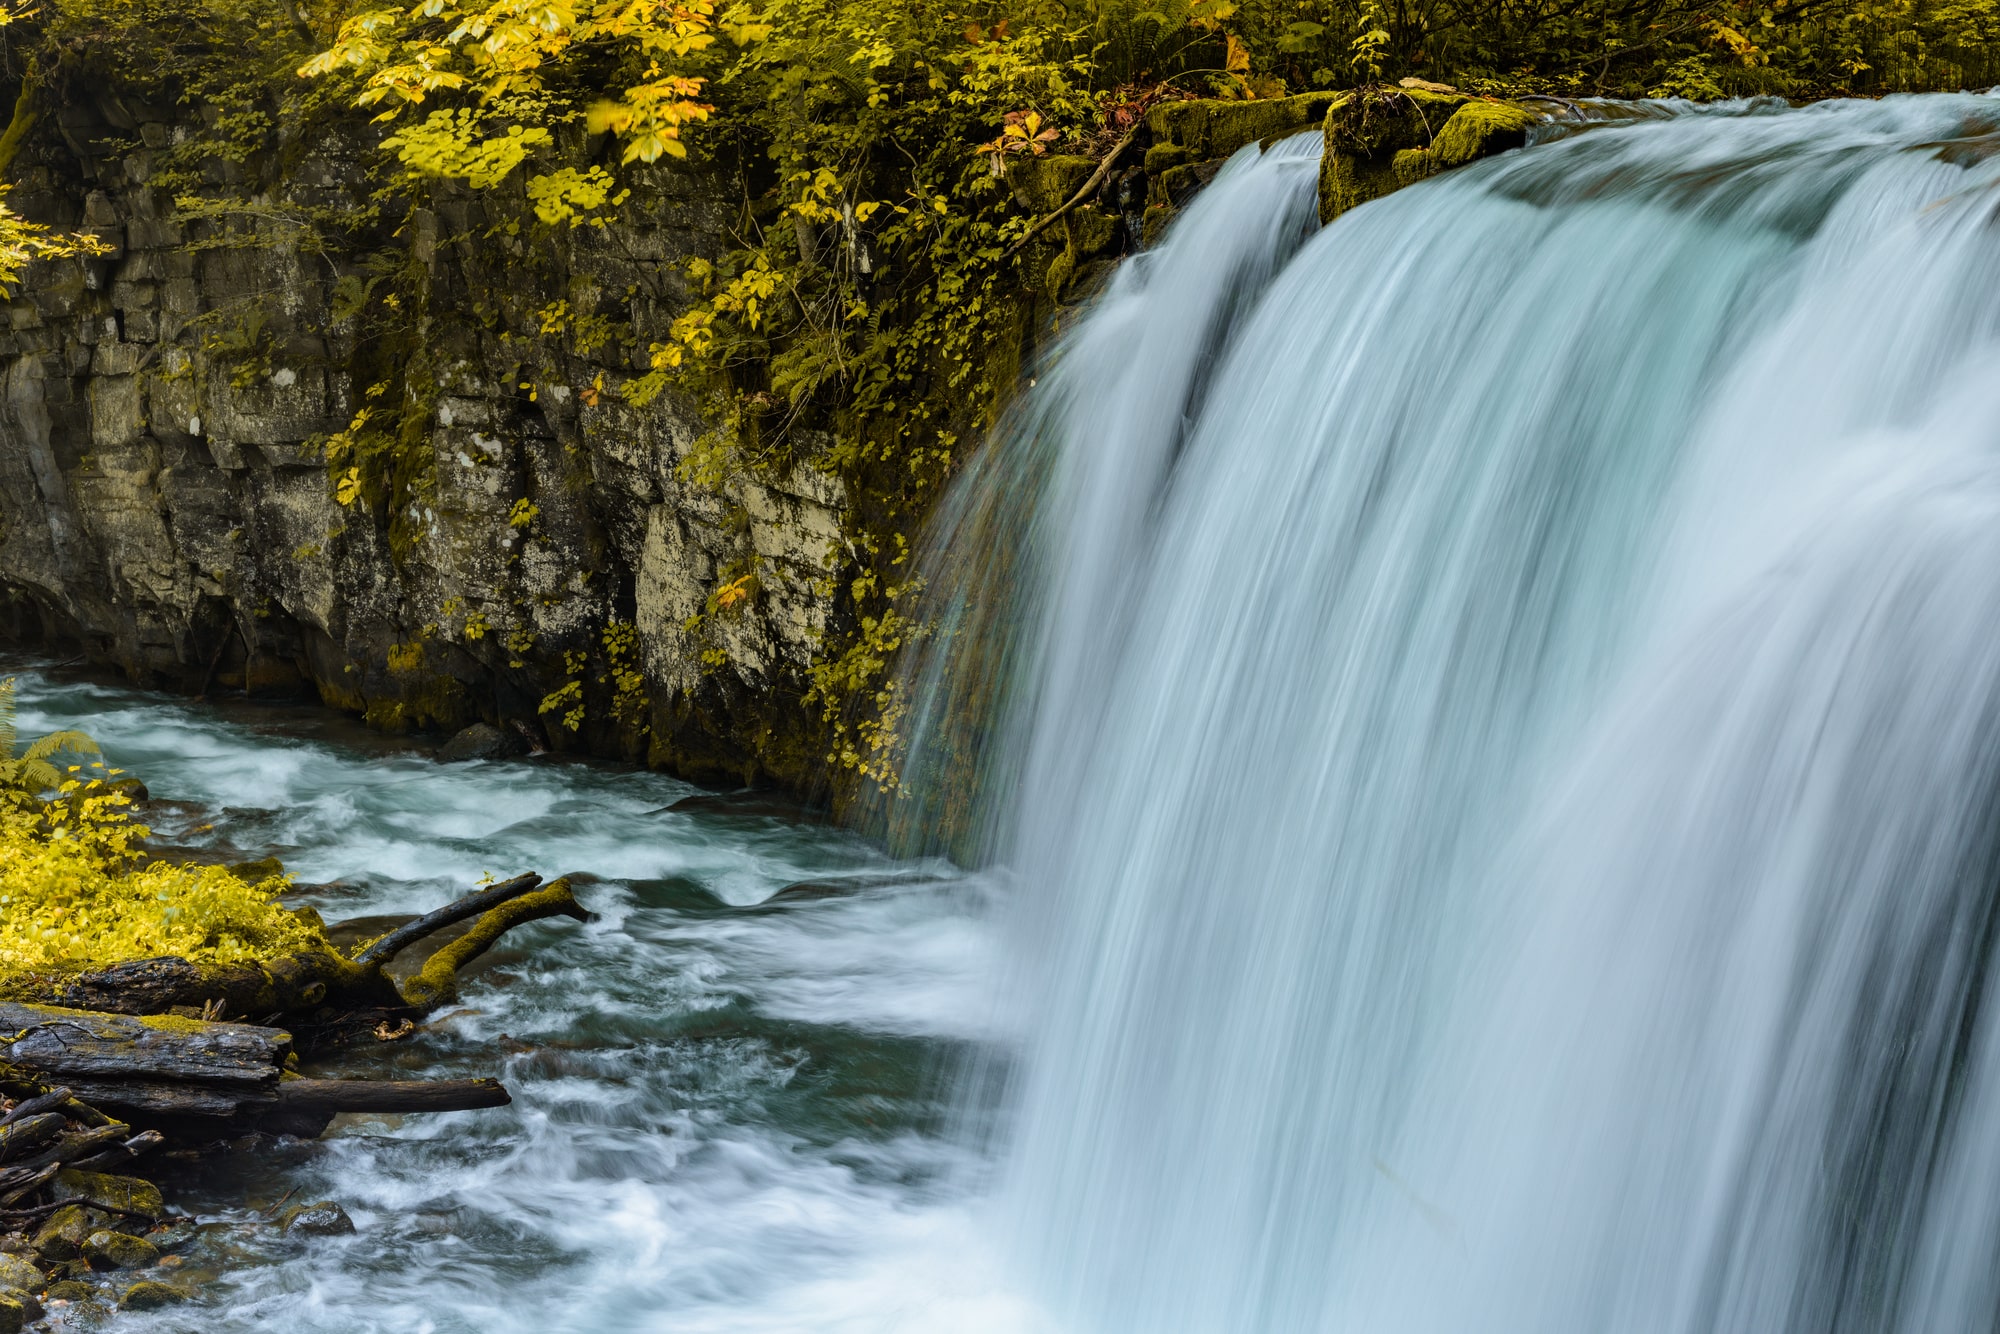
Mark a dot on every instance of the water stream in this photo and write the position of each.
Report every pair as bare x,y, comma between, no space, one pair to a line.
1484,723
724,1092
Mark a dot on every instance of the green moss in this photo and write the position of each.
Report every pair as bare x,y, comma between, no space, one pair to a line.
1386,138
1212,128
1480,129
1045,184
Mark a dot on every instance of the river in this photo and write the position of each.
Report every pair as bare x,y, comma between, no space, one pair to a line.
727,1100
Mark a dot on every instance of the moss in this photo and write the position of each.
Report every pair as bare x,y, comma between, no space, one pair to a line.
439,975
1387,138
1480,129
1213,128
1045,184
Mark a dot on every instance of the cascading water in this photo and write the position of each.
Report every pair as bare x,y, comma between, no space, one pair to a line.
1502,762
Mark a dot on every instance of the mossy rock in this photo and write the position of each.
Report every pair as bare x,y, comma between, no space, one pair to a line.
323,1219
70,1290
150,1296
125,1194
14,1315
1206,128
62,1236
1383,139
16,1272
118,1250
1045,184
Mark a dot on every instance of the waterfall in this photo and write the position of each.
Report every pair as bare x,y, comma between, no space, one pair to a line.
1497,744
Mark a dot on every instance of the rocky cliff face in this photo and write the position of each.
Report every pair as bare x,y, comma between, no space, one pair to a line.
520,544
167,505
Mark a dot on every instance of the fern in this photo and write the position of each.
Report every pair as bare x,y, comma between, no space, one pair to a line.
31,773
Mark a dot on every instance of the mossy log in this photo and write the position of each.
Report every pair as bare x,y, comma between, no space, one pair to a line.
314,981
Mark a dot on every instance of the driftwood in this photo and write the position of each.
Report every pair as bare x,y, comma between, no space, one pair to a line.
200,1079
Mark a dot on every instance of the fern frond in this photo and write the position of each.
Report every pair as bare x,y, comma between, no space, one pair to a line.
77,743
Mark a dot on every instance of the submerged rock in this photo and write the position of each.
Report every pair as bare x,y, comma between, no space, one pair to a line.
119,1250
324,1219
481,741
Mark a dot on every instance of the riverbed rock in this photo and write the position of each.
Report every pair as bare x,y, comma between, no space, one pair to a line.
16,1243
69,1290
150,1296
119,1250
31,1305
62,1236
113,1192
481,741
13,1314
324,1219
16,1272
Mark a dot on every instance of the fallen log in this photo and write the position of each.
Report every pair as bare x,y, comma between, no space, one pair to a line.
309,982
197,1079
395,942
392,1095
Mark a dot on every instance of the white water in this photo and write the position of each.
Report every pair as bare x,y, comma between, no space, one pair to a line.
1503,794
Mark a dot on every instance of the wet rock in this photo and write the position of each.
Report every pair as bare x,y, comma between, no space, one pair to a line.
481,741
324,1219
13,1314
70,1290
113,1192
117,1250
61,1237
151,1296
18,1273
31,1306
134,789
15,1243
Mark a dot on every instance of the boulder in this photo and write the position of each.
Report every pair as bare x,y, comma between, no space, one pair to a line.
31,1305
481,741
1379,140
324,1219
61,1237
149,1296
118,1250
127,1194
13,1314
16,1272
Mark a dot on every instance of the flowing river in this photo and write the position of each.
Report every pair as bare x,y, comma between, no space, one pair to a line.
726,1095
1485,718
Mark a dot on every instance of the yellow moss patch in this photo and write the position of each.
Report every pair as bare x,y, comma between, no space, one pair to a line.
71,897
